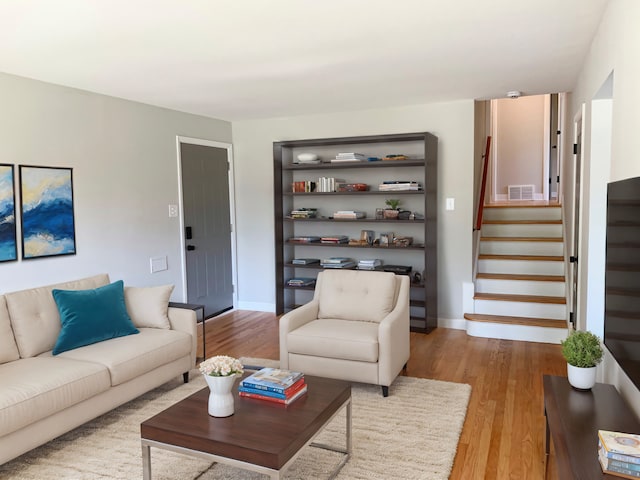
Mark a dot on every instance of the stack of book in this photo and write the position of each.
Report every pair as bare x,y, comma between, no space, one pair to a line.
399,185
337,262
301,282
369,264
619,453
305,261
274,385
334,239
349,214
349,157
303,186
304,213
304,239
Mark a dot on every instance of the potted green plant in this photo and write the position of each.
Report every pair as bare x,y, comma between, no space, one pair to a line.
583,352
392,211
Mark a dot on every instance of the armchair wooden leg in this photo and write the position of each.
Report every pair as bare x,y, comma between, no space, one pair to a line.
185,377
385,391
405,367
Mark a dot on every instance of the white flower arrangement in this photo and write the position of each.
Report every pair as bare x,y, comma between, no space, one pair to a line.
221,366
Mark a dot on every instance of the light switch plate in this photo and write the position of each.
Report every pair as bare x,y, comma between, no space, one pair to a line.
158,264
451,204
173,211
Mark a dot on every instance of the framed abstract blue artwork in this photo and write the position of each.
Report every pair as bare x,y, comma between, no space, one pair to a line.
8,242
46,208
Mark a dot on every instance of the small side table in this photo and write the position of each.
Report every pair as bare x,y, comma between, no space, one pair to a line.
199,318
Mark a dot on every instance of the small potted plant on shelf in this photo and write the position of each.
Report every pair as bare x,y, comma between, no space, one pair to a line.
392,211
583,352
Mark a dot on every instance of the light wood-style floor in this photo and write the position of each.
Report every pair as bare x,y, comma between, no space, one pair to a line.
503,434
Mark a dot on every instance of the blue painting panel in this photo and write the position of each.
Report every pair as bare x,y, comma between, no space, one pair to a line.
48,226
8,247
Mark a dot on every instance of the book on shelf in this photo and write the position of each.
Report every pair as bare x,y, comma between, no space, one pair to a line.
369,264
301,282
304,213
281,401
303,186
338,262
349,157
620,446
349,214
304,239
305,261
334,239
328,184
271,379
396,186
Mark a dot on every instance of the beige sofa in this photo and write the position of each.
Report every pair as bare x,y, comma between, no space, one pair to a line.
356,328
43,396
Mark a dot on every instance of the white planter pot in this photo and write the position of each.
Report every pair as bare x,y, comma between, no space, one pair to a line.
220,395
581,378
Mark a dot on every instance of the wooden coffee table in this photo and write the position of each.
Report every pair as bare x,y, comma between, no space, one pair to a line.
261,436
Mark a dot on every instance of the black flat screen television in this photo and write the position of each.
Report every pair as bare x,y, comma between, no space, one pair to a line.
622,277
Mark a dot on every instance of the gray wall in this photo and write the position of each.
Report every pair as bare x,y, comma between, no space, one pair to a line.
452,123
124,163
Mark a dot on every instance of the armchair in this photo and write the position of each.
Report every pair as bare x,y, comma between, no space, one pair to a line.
356,328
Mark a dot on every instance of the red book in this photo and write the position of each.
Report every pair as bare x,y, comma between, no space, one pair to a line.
281,401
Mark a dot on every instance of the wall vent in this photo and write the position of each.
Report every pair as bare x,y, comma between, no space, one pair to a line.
520,192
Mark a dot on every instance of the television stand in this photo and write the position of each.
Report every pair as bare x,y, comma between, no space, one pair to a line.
573,419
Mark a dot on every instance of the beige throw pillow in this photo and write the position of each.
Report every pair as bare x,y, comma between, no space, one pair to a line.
148,306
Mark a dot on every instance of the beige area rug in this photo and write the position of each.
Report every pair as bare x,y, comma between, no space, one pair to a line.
412,434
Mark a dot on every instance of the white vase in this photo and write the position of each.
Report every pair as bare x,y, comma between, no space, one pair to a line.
581,378
220,395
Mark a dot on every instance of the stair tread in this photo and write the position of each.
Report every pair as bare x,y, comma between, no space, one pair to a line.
522,205
521,276
507,297
521,239
529,321
535,258
522,222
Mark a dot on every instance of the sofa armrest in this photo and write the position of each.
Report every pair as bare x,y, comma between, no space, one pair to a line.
394,337
185,320
292,320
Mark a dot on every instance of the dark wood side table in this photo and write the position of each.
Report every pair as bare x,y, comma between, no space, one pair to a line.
199,319
573,419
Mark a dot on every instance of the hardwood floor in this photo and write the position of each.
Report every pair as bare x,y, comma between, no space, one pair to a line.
503,434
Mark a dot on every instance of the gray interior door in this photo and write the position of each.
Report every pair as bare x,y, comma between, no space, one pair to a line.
205,187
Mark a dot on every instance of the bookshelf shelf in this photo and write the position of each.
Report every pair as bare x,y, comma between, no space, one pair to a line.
421,166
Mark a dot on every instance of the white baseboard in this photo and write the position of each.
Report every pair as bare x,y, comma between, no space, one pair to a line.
257,306
455,323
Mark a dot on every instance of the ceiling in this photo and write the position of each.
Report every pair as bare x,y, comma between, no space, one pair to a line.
244,59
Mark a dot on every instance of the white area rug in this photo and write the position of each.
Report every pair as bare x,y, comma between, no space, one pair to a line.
412,434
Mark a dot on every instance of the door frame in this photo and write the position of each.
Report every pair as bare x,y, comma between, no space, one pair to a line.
232,211
576,220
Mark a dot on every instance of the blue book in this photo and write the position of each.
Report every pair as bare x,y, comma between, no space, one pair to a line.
271,380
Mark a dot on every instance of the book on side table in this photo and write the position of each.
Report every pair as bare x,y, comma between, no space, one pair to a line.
619,453
274,385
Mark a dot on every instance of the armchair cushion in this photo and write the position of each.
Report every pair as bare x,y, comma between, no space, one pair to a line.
335,338
357,295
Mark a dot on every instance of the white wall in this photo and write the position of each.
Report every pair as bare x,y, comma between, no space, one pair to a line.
452,123
615,48
123,156
519,142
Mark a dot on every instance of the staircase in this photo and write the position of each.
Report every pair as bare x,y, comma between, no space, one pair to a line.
520,288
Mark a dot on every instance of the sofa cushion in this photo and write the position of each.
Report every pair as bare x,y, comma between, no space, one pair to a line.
34,388
148,306
8,347
34,314
134,355
91,316
356,295
335,338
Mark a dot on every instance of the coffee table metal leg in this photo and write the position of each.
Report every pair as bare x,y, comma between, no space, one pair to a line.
146,462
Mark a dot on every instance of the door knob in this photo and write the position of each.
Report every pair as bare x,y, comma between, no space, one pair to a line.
191,247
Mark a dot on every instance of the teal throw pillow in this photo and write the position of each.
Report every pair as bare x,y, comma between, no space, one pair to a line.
91,316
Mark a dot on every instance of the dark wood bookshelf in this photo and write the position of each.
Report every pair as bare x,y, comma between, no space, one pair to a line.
422,150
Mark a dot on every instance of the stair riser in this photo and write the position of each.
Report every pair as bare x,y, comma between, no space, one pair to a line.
521,309
520,287
524,267
546,213
516,332
520,248
536,230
